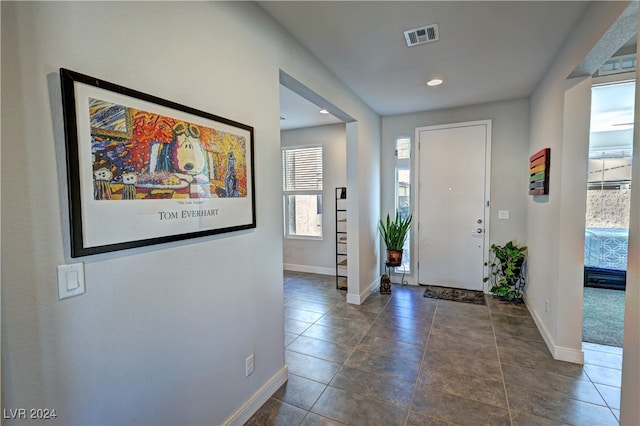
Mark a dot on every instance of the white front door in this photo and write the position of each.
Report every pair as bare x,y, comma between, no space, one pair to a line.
454,165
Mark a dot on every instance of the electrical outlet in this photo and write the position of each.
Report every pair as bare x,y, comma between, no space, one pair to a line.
249,365
546,306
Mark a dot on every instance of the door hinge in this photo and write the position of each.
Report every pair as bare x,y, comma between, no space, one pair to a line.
487,203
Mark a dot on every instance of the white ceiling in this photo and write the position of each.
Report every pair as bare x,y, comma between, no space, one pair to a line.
297,112
488,51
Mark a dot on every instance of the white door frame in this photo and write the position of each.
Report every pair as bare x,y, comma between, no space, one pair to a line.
487,189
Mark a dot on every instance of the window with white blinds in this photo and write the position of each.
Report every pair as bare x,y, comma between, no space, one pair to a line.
302,187
302,169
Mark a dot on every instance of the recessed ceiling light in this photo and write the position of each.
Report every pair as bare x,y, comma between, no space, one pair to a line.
324,111
435,82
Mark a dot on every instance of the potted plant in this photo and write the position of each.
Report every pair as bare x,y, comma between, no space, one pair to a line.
394,233
506,271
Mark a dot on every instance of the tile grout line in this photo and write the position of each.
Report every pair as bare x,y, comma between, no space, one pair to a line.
504,382
594,384
345,361
461,396
424,354
382,307
326,385
604,399
543,391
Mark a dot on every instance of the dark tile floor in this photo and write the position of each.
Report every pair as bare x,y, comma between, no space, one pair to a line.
402,359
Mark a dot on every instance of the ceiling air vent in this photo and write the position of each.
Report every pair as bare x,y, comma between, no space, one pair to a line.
422,35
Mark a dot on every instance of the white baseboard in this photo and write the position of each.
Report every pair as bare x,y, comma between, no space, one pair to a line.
559,353
358,299
256,401
569,355
309,269
354,299
548,339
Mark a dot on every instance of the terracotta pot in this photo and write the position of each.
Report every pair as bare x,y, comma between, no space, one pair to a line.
394,257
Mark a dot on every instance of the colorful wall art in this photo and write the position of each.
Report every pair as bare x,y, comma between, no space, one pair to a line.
143,170
539,172
140,155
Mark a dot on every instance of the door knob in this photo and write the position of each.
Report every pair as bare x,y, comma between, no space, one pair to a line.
479,230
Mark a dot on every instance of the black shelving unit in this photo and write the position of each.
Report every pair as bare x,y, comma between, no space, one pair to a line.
341,238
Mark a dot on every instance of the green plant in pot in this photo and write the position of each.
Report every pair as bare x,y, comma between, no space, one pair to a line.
506,271
394,233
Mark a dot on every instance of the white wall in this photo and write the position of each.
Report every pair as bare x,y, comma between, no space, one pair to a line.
162,332
549,278
363,209
509,160
363,171
310,255
629,407
552,275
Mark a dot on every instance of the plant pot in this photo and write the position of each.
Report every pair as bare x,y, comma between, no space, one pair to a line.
394,257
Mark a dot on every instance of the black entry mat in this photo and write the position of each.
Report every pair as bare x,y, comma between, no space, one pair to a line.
455,294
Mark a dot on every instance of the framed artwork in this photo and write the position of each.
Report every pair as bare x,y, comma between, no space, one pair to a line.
142,170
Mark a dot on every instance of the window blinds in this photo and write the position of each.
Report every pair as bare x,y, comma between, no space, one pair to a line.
302,168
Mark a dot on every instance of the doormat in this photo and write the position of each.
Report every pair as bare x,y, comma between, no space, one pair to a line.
455,294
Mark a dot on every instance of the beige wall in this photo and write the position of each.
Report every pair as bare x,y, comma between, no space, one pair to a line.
162,332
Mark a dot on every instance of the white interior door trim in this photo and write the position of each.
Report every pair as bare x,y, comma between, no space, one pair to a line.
487,187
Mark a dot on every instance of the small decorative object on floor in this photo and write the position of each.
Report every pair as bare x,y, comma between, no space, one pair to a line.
385,284
507,271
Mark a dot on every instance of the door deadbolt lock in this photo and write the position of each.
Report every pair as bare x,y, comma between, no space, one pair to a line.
479,221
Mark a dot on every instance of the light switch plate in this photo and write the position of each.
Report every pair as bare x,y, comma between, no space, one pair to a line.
70,280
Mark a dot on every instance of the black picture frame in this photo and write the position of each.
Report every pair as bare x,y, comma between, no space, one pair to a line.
142,170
